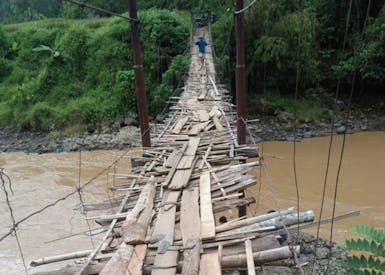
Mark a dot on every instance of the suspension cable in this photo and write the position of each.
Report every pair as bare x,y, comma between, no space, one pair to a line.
248,6
84,4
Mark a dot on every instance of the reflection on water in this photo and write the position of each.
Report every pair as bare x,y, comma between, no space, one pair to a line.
41,179
361,183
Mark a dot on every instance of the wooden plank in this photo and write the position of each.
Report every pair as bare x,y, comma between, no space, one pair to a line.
203,94
190,229
173,157
192,146
215,111
197,128
136,263
181,178
165,222
171,173
206,207
165,264
249,257
185,162
217,122
203,115
134,228
179,125
210,264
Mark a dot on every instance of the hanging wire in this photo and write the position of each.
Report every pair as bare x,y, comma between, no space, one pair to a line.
81,201
6,179
52,204
295,120
330,147
84,4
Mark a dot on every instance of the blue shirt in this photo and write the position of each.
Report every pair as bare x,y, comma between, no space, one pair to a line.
201,45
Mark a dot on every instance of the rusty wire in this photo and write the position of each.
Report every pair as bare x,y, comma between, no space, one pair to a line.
4,180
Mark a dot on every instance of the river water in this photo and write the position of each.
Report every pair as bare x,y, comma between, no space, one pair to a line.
41,179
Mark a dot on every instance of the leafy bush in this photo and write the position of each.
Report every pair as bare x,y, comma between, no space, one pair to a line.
372,245
79,72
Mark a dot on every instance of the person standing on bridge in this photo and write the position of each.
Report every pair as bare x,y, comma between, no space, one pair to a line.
201,43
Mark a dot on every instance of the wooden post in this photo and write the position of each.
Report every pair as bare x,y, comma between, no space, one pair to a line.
140,89
240,76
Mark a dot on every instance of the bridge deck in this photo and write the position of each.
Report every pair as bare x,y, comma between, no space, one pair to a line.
168,220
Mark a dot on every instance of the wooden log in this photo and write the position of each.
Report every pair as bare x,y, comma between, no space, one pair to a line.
277,222
91,269
235,247
59,258
260,258
231,225
207,217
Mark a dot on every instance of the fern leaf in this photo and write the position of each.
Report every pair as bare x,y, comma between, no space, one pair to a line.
377,235
364,245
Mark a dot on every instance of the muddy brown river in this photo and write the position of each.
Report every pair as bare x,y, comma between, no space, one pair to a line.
40,179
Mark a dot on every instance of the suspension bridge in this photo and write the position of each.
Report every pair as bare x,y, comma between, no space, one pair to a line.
184,208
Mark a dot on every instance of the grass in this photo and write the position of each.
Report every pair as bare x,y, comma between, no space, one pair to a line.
303,109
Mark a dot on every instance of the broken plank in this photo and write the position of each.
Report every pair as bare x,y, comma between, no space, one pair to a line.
197,128
206,207
217,123
136,263
179,125
134,228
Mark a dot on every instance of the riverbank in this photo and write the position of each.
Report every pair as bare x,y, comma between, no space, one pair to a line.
280,125
274,127
12,140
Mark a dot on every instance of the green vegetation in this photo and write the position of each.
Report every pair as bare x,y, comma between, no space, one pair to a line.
58,73
372,250
282,37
